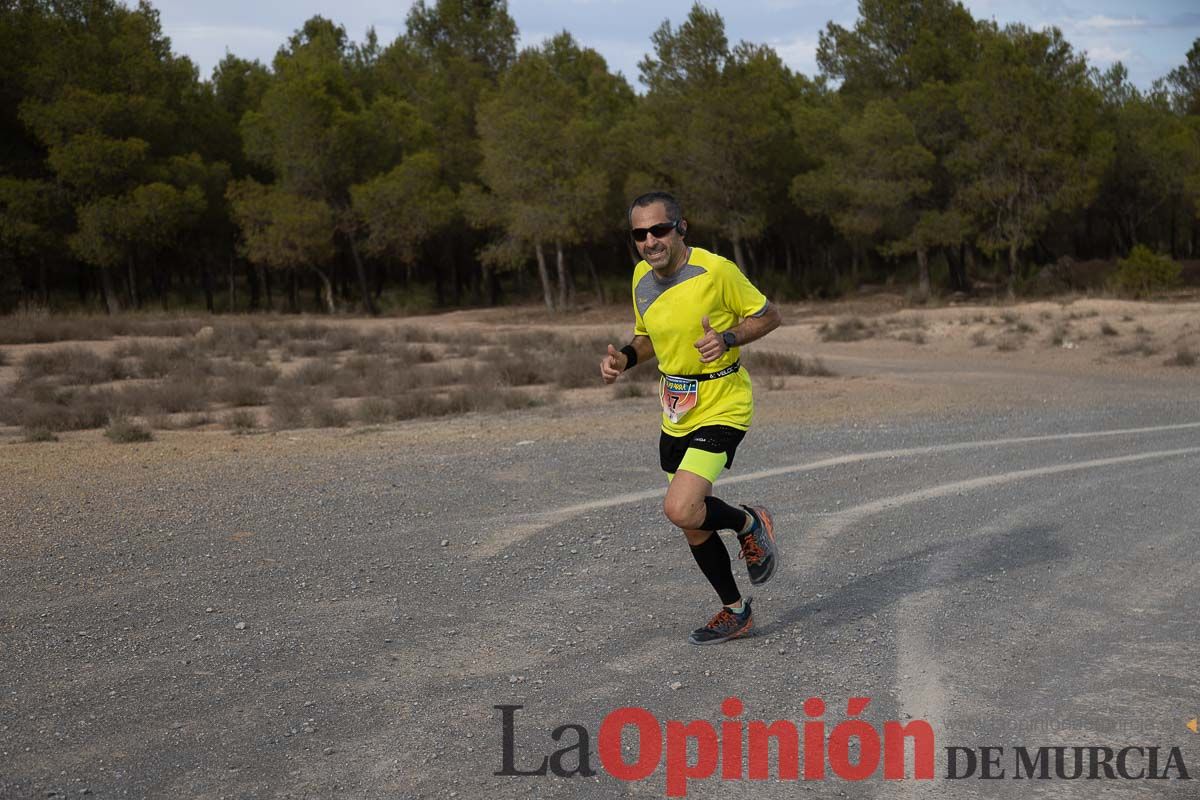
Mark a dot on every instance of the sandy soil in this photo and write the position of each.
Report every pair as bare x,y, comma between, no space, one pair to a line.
915,361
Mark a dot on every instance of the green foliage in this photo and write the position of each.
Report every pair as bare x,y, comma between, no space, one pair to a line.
404,207
715,127
548,156
281,229
1034,147
926,136
898,46
1145,271
872,169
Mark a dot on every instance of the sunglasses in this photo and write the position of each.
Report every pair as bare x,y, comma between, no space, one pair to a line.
660,230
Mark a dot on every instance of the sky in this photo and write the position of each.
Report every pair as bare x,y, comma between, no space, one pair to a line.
1150,37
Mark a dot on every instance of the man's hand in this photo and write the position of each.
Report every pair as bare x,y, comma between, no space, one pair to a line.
710,345
612,365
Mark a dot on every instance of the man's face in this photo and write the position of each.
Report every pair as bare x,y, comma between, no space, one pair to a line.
659,252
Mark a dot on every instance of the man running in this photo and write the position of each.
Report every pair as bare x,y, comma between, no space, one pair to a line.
694,309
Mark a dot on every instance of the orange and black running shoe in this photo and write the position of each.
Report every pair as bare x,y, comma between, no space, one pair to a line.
724,626
758,545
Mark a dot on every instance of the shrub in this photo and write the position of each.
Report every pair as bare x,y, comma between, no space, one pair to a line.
624,389
315,373
3,359
1145,271
74,365
324,414
241,420
851,329
1183,358
244,386
39,435
195,420
375,410
775,363
1108,330
1009,343
287,410
520,370
124,431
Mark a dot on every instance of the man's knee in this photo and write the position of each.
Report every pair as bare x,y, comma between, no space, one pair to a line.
684,512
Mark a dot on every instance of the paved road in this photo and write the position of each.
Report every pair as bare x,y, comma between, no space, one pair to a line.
1014,579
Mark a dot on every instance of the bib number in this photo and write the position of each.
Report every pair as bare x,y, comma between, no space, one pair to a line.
678,396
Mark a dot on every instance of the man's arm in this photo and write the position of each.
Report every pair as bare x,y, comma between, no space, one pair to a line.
753,328
712,345
615,362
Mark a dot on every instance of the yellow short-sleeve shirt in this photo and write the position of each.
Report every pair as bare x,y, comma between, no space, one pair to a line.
669,312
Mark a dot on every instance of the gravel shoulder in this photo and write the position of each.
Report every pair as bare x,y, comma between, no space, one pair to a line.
323,613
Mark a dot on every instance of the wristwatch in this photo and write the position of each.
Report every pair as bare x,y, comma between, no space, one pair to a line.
730,339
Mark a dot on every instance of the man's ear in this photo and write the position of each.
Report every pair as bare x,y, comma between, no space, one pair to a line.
681,226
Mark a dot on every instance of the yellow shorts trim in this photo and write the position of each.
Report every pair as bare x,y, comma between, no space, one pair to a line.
703,463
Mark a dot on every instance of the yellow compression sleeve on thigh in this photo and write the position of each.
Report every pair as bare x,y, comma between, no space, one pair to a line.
703,463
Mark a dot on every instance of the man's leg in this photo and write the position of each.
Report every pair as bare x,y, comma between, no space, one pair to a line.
691,506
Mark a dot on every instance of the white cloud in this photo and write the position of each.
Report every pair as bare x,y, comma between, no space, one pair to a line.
799,53
226,33
1111,23
1107,54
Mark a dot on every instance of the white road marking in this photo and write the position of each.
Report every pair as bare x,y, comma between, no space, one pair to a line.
527,525
560,514
832,525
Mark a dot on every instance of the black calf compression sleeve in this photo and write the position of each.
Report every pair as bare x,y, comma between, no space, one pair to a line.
720,516
713,558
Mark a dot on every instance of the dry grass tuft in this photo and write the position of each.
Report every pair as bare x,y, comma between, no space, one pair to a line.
1183,357
122,430
850,329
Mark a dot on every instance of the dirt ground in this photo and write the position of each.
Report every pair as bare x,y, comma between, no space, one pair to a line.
911,361
338,612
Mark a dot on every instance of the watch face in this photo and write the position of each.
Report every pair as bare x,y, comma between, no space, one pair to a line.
730,339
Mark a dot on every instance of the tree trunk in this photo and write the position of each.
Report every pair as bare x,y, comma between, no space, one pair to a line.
740,257
111,301
561,265
255,289
544,275
207,280
84,279
368,303
265,278
134,299
601,295
326,291
923,272
232,287
43,292
1012,270
1174,251
754,267
293,291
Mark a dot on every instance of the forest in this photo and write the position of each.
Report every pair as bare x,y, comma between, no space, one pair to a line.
932,153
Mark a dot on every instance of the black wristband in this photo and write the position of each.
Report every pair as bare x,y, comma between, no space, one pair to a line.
630,356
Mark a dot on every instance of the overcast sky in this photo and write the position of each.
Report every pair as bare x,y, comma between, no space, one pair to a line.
1150,37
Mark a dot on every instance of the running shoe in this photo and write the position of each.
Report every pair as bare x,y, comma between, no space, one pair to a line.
758,545
724,626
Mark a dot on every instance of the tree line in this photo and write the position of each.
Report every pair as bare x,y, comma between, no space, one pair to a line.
931,151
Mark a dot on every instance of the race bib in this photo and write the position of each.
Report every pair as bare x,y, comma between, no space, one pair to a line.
678,396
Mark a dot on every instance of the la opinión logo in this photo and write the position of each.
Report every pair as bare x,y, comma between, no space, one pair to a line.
735,749
719,748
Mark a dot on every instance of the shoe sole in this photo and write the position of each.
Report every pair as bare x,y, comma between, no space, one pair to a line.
769,525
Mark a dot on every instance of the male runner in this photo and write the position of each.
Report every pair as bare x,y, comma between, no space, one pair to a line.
694,310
